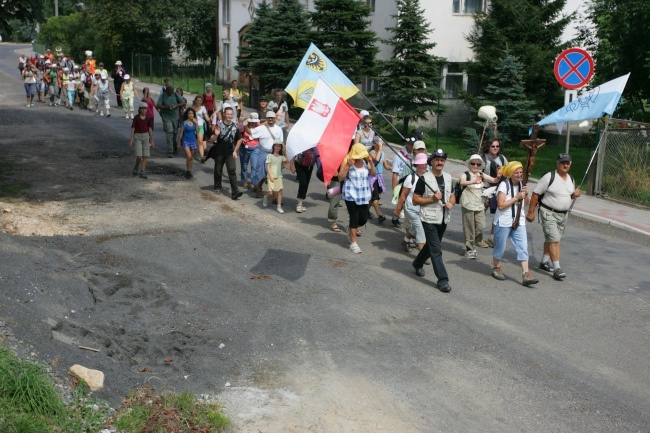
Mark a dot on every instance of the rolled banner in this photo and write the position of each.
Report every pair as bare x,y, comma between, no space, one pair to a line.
334,191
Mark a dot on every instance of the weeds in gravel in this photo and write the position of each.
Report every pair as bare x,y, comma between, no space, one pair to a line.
29,403
145,411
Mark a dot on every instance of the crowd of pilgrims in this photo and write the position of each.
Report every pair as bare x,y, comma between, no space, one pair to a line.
258,140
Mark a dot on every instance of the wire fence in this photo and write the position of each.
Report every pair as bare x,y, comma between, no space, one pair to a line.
190,77
624,162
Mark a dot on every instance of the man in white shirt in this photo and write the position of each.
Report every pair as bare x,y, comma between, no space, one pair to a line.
281,109
267,134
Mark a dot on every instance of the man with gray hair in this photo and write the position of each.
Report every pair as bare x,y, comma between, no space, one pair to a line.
168,103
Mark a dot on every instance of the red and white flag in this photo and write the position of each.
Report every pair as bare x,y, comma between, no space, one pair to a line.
327,123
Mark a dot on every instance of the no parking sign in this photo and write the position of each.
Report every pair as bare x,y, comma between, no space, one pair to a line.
574,68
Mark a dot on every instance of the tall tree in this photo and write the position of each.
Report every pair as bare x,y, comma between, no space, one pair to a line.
193,15
277,39
532,31
411,80
618,35
506,93
341,30
25,11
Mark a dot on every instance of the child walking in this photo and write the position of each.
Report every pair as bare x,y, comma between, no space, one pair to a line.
274,163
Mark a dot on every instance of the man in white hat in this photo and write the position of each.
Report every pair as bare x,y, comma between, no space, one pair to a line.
118,78
268,134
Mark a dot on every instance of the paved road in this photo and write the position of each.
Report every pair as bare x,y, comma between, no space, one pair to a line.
332,341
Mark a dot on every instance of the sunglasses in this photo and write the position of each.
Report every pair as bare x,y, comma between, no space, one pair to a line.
475,164
495,147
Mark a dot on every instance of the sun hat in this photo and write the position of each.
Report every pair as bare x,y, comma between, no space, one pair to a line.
419,145
510,168
475,157
254,117
437,154
364,113
118,63
66,69
270,115
208,85
358,151
127,77
420,159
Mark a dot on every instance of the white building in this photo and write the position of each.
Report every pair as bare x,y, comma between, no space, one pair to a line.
450,21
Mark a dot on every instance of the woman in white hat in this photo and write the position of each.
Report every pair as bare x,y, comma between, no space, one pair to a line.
472,208
118,75
127,94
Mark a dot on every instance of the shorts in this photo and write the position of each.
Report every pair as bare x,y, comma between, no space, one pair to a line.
376,191
553,224
190,145
201,130
276,185
141,144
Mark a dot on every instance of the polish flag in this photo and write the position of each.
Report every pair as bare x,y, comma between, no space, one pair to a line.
327,123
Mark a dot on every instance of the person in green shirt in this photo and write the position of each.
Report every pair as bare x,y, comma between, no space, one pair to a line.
168,103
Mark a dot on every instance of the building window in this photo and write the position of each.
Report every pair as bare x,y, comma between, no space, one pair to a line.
370,85
371,5
226,54
454,80
226,12
468,7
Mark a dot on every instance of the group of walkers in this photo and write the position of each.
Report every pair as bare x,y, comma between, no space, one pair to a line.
424,194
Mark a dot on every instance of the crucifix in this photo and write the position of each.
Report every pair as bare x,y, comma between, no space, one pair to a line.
533,144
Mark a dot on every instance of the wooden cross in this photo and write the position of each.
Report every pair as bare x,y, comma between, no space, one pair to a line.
532,145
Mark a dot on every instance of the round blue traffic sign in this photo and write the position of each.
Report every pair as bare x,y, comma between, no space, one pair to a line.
574,68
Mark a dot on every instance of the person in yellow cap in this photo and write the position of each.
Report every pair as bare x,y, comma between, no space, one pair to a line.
509,192
354,173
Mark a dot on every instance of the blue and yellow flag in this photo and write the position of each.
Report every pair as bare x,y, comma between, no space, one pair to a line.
315,65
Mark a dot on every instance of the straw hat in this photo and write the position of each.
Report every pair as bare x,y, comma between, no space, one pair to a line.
358,151
475,157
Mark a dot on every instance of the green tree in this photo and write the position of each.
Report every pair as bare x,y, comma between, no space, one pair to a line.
506,93
618,36
277,40
24,11
531,30
193,15
341,31
411,80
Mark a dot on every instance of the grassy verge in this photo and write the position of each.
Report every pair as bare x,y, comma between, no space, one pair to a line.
545,161
29,403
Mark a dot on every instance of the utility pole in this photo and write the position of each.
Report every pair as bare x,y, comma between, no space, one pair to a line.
216,59
56,8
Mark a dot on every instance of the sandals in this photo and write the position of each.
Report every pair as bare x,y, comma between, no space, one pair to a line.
335,228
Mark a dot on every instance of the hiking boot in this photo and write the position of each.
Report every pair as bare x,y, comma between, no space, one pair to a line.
497,274
444,287
420,272
527,279
236,195
559,274
546,266
396,222
354,247
482,244
490,242
406,246
381,219
188,175
143,175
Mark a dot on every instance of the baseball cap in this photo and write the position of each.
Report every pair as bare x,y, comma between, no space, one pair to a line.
270,115
564,157
419,145
264,98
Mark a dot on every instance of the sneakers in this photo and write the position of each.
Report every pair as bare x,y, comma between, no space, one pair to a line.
396,222
406,246
482,244
546,266
527,279
559,274
354,247
188,175
108,114
31,104
444,286
381,219
265,201
490,242
126,117
497,274
101,114
420,272
236,195
299,209
143,175
28,105
470,254
203,159
279,209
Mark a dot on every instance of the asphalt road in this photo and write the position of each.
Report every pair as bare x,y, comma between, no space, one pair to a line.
316,338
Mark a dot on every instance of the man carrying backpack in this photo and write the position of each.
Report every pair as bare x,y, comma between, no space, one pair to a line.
554,193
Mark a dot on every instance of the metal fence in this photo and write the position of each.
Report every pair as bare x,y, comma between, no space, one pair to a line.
623,169
191,77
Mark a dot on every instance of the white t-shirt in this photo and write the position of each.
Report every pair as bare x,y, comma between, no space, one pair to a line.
72,84
199,116
410,182
284,108
266,137
503,218
558,196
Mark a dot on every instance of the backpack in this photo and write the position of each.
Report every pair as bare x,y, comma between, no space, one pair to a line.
307,158
458,190
493,198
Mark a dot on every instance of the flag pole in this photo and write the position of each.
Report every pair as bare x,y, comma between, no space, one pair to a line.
600,140
382,115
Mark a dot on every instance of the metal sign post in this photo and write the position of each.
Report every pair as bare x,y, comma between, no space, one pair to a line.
569,97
